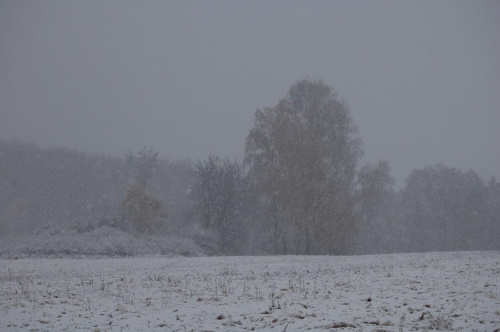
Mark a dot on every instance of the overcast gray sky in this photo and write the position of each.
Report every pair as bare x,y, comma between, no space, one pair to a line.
185,77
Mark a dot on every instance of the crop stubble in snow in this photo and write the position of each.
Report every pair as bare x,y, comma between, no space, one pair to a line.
434,291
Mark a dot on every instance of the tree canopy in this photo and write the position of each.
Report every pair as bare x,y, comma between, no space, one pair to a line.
302,155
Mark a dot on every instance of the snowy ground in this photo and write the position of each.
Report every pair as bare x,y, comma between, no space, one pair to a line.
436,291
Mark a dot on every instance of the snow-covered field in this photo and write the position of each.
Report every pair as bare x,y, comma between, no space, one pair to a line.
435,291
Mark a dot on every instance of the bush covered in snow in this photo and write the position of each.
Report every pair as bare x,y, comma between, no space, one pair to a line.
98,241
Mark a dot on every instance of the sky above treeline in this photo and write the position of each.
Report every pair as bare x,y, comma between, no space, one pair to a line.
185,77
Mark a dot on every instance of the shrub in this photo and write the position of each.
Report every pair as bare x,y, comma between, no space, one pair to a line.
144,211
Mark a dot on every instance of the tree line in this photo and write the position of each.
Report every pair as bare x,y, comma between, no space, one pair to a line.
298,190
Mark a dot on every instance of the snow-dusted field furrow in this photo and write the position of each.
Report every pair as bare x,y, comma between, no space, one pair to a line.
435,291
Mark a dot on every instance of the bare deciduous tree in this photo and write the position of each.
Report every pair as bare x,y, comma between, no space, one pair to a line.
217,196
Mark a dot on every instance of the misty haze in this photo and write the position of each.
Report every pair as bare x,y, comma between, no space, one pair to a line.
222,165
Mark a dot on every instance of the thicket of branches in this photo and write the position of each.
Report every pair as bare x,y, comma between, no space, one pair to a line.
299,190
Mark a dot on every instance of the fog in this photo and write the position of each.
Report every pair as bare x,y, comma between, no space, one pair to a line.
185,78
232,128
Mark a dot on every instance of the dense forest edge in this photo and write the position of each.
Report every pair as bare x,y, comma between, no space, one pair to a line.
299,190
